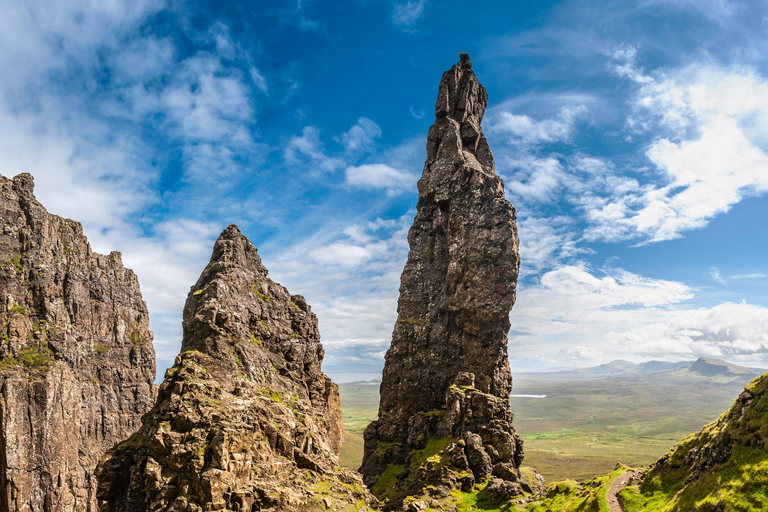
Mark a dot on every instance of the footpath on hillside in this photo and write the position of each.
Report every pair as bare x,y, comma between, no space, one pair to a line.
617,485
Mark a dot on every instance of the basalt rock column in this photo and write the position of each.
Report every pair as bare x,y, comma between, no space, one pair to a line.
446,382
76,359
245,419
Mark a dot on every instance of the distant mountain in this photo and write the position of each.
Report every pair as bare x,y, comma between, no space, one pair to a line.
710,367
702,367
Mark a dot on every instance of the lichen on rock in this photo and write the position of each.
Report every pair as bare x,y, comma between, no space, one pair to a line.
245,419
446,381
73,379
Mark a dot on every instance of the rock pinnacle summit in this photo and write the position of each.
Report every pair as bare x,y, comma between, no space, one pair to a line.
444,419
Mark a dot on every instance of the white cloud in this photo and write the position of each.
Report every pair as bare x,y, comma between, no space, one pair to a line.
531,177
206,101
715,274
622,315
307,148
725,330
625,57
710,156
361,137
408,13
749,276
591,354
524,130
350,274
545,242
380,176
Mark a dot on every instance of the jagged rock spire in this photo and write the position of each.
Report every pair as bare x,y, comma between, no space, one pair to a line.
245,419
456,292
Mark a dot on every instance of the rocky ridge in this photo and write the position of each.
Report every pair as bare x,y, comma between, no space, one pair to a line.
444,420
76,359
245,420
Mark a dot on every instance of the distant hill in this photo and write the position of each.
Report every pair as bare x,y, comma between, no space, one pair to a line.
715,367
703,366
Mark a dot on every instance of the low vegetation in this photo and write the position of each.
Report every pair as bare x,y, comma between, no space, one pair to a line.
721,468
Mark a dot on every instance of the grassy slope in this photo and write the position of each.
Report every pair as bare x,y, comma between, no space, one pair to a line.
722,468
567,496
360,406
584,427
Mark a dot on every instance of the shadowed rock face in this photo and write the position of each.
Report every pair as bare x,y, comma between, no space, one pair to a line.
447,372
245,419
76,358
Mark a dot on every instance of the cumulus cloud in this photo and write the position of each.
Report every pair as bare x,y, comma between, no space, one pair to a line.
545,242
713,123
622,315
524,130
726,330
350,273
582,353
532,177
308,149
380,176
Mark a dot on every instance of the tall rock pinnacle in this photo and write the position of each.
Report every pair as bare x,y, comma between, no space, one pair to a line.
446,382
245,419
76,359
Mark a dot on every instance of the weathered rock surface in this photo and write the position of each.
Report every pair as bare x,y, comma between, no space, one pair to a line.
245,419
444,417
76,358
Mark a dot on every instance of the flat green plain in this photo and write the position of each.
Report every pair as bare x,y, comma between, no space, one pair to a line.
584,426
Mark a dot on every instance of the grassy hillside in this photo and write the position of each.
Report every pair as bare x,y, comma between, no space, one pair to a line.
722,468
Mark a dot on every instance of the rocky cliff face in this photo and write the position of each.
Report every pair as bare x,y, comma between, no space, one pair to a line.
444,416
245,419
76,358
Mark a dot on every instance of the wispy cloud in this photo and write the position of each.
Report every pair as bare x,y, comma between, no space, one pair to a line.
381,176
715,274
749,276
361,137
408,13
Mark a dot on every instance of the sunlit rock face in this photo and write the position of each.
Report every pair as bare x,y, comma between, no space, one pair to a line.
245,419
76,358
446,381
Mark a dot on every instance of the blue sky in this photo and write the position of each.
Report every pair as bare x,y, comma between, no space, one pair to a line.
632,137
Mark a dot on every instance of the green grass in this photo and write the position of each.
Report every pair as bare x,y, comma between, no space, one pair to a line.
721,468
16,262
351,455
17,309
32,359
